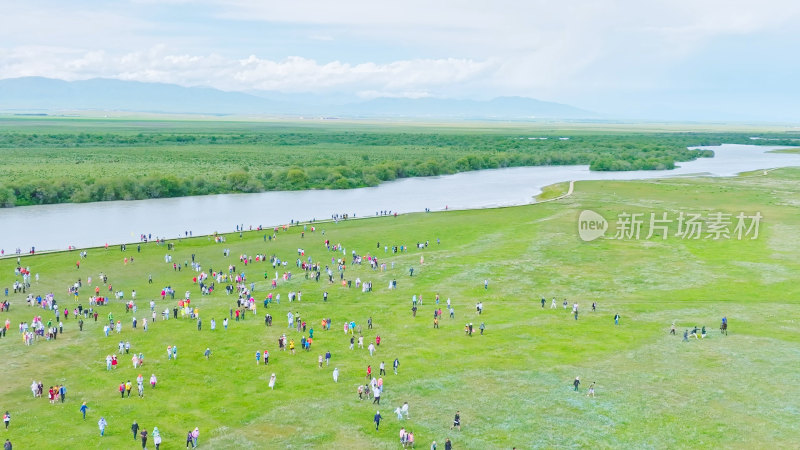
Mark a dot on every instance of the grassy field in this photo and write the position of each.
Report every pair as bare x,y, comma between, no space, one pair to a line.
512,385
63,160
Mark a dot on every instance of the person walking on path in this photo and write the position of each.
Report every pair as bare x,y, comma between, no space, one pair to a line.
377,420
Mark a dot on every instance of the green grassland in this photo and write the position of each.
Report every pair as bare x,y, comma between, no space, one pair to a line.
66,160
512,385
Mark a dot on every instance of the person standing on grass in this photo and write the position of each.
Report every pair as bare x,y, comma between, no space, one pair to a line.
335,374
377,419
207,353
591,390
7,445
6,419
189,440
272,381
457,421
101,424
616,319
135,429
395,365
156,437
195,435
83,410
576,383
328,358
377,398
143,433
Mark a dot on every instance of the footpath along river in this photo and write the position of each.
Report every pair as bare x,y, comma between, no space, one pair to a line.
55,227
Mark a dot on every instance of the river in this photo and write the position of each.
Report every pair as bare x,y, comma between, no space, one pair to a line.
51,227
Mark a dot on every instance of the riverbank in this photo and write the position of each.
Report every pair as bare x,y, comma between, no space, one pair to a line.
56,161
94,224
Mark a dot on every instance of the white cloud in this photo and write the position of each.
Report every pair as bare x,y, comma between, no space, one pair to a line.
293,74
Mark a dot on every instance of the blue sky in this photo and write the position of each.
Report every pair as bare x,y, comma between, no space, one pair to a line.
732,60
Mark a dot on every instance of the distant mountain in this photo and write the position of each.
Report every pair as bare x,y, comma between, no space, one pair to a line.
47,94
37,95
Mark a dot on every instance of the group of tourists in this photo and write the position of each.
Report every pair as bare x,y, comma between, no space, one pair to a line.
245,292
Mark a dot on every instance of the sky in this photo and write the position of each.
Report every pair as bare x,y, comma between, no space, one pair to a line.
732,60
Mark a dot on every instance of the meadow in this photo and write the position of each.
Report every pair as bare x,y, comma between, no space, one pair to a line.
513,385
64,160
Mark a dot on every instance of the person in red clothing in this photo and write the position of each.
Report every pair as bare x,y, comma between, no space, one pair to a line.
378,340
369,372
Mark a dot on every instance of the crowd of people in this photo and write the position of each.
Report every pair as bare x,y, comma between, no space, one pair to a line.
241,286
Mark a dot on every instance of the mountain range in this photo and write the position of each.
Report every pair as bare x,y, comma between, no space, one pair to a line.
29,95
